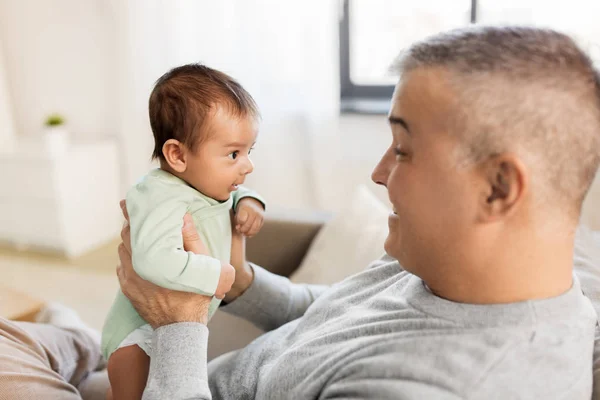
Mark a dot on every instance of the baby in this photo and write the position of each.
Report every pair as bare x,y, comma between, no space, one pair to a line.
205,125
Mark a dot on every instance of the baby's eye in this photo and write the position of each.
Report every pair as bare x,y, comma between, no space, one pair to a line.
233,155
250,151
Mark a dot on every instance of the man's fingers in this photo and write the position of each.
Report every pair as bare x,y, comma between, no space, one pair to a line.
126,229
124,256
191,238
125,262
120,273
189,231
126,236
123,206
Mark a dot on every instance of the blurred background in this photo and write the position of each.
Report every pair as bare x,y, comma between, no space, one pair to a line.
75,76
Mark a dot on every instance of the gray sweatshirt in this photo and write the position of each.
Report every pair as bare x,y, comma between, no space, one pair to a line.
381,334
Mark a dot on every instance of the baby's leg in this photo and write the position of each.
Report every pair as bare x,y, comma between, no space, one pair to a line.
128,373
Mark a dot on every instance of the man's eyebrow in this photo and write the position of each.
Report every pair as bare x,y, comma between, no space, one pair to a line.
398,121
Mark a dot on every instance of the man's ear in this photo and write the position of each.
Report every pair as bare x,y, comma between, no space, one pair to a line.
505,185
175,154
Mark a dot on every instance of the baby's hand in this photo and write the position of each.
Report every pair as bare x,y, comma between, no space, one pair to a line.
249,216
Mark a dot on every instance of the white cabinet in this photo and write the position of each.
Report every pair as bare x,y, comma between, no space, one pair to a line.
65,203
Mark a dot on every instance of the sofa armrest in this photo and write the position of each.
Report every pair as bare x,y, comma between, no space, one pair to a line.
284,239
18,306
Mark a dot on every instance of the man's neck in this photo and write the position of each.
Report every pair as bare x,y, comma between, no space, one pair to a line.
514,274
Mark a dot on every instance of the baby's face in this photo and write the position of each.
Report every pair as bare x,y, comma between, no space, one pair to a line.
222,161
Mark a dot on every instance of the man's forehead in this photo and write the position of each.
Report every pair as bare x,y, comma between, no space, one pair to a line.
421,95
419,79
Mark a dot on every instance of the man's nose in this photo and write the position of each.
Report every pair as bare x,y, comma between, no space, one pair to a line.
382,171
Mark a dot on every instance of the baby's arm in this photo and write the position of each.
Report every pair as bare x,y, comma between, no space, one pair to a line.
249,208
244,192
157,250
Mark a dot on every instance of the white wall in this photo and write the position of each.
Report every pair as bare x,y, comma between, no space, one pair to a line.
7,129
345,157
60,58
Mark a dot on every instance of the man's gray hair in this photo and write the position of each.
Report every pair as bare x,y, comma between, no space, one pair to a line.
524,90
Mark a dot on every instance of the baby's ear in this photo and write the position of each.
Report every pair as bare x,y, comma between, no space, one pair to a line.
174,153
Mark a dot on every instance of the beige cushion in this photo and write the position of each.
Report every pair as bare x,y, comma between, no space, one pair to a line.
348,242
587,263
590,213
17,305
587,268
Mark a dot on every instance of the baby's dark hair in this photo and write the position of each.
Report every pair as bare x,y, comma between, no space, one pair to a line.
182,99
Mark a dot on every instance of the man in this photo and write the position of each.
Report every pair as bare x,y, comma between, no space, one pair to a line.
495,142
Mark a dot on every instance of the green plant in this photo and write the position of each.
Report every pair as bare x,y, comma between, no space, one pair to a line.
55,120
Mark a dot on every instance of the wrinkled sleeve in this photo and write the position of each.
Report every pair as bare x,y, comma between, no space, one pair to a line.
156,219
178,366
272,300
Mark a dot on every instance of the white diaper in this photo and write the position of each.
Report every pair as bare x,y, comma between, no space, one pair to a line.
142,337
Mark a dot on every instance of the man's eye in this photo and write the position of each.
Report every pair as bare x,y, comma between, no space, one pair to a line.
233,155
400,154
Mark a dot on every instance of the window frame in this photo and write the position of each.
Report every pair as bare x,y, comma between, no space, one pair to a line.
368,99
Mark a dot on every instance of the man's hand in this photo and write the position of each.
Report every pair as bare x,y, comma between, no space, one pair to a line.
157,305
249,216
191,239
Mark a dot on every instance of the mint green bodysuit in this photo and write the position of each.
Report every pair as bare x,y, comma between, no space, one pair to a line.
156,206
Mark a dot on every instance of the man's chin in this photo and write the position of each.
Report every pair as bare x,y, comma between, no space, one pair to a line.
391,248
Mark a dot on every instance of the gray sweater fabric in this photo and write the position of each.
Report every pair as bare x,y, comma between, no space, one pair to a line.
381,334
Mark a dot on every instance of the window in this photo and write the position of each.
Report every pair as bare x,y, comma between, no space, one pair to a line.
372,32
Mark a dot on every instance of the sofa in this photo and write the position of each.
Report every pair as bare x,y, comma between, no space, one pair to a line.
280,248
